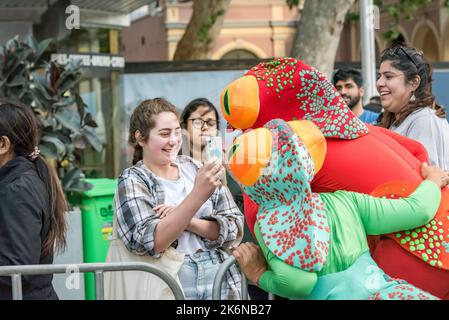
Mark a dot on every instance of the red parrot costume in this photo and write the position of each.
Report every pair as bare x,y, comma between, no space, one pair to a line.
359,158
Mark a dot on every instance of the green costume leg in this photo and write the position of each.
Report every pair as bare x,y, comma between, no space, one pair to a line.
364,280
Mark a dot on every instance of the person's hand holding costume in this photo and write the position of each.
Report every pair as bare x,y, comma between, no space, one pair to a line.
251,261
435,174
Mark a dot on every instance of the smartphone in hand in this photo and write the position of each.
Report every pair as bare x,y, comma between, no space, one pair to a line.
214,149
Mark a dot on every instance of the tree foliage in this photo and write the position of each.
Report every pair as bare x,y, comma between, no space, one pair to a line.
202,30
401,9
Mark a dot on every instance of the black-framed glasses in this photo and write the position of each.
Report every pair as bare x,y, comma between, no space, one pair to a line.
400,50
199,123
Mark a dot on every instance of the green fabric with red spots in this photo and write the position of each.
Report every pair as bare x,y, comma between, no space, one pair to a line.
292,219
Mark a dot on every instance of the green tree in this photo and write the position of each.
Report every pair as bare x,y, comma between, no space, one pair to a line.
318,29
203,30
401,9
318,32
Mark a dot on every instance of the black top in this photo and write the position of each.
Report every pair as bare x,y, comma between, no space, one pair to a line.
24,224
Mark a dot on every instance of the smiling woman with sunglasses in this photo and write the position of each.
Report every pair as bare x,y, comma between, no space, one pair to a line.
405,88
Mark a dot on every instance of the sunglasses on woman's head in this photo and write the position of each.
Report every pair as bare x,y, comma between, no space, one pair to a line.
398,51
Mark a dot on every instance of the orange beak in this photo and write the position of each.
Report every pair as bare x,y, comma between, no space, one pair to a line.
240,102
250,153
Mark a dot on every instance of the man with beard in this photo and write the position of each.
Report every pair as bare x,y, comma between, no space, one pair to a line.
349,83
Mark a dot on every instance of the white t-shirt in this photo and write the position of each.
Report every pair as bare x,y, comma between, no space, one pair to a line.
432,131
175,192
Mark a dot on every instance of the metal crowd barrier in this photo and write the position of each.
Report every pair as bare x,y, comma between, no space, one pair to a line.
16,272
220,275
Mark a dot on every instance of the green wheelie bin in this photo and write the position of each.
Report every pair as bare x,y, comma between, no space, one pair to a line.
97,208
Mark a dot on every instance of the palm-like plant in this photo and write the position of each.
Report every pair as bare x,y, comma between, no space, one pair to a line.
50,89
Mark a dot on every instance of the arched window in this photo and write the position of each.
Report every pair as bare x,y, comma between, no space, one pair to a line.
426,41
239,54
446,43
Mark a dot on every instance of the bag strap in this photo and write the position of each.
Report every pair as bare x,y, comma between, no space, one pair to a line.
114,227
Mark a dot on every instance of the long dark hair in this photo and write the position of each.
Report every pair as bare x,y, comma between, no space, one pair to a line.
18,123
142,119
412,63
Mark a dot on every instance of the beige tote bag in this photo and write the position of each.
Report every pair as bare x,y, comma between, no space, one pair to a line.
139,285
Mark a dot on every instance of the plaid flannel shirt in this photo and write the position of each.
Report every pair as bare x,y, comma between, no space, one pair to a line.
139,191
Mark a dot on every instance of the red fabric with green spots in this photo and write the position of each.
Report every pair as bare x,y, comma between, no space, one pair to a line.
429,242
289,89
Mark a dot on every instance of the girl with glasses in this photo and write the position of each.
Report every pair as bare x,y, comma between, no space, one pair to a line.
200,121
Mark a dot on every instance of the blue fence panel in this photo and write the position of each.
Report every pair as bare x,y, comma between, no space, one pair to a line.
441,88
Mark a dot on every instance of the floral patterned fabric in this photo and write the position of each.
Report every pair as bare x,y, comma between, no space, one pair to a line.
293,219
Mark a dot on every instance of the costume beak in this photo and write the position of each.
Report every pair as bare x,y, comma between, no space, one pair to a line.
240,102
249,155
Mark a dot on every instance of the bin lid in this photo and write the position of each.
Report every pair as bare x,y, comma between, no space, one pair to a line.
101,187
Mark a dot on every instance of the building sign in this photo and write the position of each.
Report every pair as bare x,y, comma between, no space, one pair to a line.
90,60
